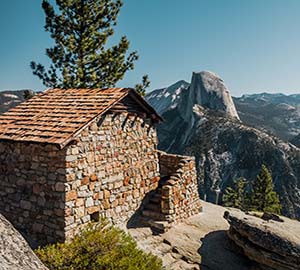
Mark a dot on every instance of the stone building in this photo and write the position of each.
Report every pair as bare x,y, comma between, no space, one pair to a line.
68,157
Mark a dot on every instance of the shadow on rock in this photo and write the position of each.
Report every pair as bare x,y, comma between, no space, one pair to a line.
218,252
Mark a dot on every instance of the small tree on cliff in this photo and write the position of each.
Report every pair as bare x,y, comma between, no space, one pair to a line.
80,58
237,195
264,198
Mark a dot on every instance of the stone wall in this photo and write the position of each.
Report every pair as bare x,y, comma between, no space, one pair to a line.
106,172
32,178
180,198
110,169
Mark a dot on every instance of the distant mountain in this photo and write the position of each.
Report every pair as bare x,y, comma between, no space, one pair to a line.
9,99
225,148
278,114
169,97
278,98
205,85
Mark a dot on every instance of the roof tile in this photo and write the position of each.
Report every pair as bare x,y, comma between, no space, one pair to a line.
55,115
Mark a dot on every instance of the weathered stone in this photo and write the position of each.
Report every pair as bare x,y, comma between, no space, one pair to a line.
60,187
59,212
69,220
36,189
135,193
38,227
74,151
198,242
71,195
273,244
106,194
64,212
25,204
180,198
41,201
89,202
106,204
79,211
85,180
52,176
79,202
92,209
94,177
71,158
15,253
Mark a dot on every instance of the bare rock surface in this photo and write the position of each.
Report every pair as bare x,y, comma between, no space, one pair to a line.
275,244
209,90
15,253
200,242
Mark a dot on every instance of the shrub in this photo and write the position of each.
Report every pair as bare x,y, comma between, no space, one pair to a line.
98,247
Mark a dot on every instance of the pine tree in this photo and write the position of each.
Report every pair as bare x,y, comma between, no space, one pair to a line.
28,94
264,198
141,88
80,57
237,195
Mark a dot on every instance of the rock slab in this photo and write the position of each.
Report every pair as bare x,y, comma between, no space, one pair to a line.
199,242
272,244
15,253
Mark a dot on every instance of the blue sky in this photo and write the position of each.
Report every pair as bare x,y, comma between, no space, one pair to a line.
254,45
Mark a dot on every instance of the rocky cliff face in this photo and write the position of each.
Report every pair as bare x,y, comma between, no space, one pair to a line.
208,90
226,149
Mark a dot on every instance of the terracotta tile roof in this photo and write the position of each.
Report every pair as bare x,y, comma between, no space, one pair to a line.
56,115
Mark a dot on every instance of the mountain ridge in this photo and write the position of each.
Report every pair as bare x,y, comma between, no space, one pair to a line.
275,113
10,99
226,148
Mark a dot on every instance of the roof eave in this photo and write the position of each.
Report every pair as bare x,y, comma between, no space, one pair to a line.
155,116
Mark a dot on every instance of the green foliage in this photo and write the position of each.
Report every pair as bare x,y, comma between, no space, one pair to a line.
28,94
259,196
264,198
141,88
98,248
237,195
80,56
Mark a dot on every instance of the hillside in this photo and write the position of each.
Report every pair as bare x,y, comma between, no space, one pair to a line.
10,99
278,114
226,148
